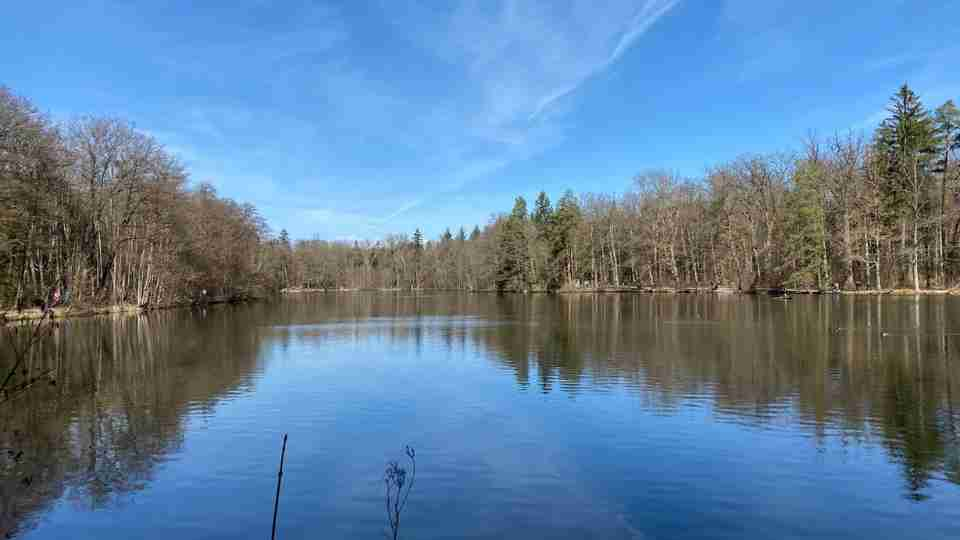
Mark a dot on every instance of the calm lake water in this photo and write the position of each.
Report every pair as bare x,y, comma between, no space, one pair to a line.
536,416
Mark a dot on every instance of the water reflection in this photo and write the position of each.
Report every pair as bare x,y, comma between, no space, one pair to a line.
123,388
858,369
844,372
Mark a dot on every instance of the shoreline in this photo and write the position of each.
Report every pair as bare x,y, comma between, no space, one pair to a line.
74,312
71,312
721,291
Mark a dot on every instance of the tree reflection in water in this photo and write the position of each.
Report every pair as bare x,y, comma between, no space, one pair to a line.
821,364
124,387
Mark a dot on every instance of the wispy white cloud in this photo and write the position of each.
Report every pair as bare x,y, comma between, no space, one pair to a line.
645,17
502,81
403,208
316,31
525,56
520,59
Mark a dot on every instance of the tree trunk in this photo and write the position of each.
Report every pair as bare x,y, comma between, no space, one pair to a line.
673,265
614,263
941,264
903,245
915,256
848,282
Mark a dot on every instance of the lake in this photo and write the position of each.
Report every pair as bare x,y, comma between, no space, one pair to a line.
533,416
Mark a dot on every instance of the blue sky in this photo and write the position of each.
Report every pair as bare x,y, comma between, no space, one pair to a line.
357,119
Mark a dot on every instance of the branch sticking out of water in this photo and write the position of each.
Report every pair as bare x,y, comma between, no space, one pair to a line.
276,500
41,329
395,479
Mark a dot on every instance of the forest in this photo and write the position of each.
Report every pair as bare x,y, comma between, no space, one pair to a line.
96,212
101,213
847,211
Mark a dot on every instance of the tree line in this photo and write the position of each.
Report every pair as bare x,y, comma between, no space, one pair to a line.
94,211
102,213
846,211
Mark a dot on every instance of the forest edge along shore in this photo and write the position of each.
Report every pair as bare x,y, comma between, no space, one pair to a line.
105,212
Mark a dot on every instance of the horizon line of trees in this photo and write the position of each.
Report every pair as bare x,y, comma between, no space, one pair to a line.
102,213
845,211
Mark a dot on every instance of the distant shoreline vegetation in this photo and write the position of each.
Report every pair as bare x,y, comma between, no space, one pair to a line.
845,213
100,214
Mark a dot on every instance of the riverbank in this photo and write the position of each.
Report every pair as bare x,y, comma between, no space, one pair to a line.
65,312
766,292
860,292
664,290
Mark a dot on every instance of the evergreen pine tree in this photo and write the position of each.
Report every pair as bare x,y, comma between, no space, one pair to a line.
417,240
906,140
417,259
806,231
513,250
542,218
562,230
542,211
